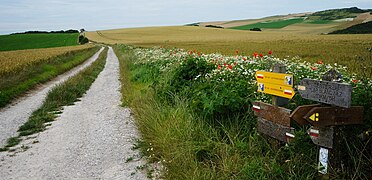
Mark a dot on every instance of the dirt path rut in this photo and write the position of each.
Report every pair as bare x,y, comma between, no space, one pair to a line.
13,116
91,140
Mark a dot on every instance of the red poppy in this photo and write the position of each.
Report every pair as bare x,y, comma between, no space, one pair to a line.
237,51
261,55
224,64
255,55
199,54
355,80
320,62
219,67
230,67
190,52
244,59
270,52
313,68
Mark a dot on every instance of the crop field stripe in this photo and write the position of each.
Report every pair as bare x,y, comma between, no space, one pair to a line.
18,82
270,25
36,41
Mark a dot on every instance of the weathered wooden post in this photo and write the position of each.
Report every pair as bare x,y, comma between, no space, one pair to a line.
274,120
277,100
336,110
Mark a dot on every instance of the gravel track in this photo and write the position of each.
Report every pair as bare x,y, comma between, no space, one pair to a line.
92,139
16,114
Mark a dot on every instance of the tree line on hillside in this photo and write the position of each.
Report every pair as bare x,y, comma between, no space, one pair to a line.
363,28
49,32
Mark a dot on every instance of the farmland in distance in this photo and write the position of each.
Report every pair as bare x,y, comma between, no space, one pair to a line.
36,41
349,50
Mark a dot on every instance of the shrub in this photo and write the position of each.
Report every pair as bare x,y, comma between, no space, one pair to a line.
83,39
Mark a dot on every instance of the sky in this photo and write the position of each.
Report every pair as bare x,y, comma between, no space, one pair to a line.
47,15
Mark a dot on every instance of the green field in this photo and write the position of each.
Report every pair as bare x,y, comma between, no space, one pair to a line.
271,24
36,41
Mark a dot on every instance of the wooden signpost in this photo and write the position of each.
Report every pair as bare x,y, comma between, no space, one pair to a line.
327,92
324,119
334,116
273,120
277,84
299,113
322,136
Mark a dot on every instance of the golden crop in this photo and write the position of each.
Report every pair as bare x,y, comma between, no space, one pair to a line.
302,41
12,61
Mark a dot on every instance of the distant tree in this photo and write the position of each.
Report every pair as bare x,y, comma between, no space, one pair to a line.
83,39
255,29
82,30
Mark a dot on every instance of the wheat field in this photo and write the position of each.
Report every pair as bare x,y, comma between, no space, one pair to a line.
348,50
12,61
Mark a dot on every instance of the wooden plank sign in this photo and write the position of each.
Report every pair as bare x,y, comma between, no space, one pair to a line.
274,78
276,90
277,131
333,116
327,92
272,113
299,113
322,136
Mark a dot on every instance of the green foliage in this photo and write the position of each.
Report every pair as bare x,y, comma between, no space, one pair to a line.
363,28
13,85
37,41
271,24
317,21
200,126
334,14
83,39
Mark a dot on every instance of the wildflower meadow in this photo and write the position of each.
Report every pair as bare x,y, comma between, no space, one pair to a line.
194,111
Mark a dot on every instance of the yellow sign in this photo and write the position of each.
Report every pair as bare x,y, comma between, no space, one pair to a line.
274,78
314,117
276,90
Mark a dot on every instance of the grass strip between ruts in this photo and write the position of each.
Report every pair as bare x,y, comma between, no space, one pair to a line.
62,95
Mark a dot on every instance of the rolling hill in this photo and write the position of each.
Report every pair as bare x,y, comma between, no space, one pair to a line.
322,22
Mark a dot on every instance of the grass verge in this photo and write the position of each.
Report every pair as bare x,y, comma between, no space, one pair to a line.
62,95
192,147
15,84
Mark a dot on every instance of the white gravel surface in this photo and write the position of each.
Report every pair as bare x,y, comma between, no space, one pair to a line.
16,114
92,139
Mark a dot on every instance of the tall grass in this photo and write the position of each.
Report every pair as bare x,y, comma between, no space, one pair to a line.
192,147
62,95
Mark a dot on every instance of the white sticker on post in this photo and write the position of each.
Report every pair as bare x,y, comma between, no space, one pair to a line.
323,160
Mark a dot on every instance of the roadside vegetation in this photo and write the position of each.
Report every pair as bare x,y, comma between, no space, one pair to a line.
37,40
62,95
23,70
194,113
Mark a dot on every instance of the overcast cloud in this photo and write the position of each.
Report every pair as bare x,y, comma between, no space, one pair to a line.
24,15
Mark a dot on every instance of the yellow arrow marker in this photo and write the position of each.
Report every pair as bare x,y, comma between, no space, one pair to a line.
274,78
314,117
276,90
